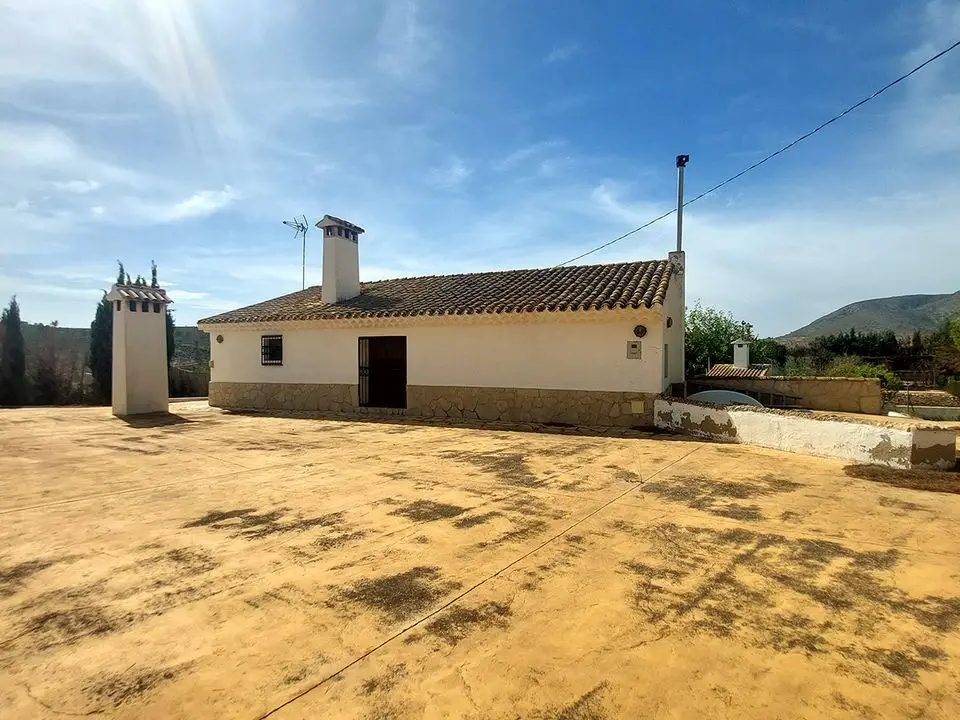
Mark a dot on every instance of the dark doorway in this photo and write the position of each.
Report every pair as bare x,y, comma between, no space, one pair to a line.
383,371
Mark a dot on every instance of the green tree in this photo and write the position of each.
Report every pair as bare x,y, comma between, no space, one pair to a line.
13,369
153,275
955,332
122,277
710,334
101,349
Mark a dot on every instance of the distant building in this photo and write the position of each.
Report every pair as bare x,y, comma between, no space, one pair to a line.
741,366
590,345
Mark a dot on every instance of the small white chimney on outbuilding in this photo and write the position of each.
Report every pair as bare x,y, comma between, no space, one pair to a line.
741,354
341,259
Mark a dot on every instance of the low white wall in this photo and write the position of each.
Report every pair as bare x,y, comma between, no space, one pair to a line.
930,412
903,448
550,355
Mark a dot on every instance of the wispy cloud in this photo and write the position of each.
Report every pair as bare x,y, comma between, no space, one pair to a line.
561,53
80,187
450,175
405,43
522,154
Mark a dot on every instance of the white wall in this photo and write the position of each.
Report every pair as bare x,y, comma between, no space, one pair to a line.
139,360
673,336
555,355
861,442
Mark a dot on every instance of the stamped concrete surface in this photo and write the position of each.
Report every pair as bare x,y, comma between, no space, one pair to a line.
215,565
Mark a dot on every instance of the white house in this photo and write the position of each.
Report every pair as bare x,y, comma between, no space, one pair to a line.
139,382
592,344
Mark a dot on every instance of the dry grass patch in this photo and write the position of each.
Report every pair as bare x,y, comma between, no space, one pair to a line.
944,481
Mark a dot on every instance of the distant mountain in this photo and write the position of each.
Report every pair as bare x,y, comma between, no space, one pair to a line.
903,314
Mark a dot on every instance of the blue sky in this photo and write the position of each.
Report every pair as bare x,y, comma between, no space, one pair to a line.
472,136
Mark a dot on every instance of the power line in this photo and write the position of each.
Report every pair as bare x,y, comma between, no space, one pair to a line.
772,155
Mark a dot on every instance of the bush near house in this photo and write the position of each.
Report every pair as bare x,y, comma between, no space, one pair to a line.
853,366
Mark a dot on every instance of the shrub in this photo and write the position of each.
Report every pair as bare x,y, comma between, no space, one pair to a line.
852,366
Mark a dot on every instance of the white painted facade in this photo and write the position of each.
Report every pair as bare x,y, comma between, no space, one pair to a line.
586,352
140,381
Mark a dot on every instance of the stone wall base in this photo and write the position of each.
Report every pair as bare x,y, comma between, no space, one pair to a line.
512,405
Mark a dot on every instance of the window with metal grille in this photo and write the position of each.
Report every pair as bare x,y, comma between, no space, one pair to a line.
271,350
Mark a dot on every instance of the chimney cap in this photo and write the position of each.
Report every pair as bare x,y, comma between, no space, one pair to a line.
741,342
328,220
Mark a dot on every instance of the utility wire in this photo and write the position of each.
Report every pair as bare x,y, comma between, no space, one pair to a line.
771,155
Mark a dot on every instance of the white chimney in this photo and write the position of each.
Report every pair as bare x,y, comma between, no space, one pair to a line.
341,259
741,354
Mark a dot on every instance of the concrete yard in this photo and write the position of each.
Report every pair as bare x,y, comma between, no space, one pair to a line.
239,566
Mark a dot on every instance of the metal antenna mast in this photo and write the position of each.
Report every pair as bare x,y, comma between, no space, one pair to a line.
300,230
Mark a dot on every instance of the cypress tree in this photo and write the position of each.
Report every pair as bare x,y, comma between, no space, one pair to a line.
122,277
13,368
153,275
101,350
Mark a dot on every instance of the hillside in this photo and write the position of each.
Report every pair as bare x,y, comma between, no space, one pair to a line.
191,346
903,314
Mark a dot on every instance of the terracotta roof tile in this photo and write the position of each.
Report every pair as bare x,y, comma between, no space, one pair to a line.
584,287
728,370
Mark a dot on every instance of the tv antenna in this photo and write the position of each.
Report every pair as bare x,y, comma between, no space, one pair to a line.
300,230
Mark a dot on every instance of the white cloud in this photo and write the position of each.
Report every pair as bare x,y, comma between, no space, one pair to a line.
450,175
80,187
561,53
524,153
98,210
201,204
158,42
405,43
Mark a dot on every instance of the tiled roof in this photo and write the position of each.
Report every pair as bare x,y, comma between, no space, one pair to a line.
585,287
138,292
755,370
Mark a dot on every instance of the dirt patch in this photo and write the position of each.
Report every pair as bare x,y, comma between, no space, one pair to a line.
130,685
510,468
454,624
13,578
249,524
623,475
930,480
427,510
385,682
402,595
702,493
523,531
474,520
190,561
338,539
904,505
589,706
64,626
749,569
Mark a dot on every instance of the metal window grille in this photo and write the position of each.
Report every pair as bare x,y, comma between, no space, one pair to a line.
271,350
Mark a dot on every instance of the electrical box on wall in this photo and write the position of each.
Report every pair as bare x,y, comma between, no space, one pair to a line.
633,350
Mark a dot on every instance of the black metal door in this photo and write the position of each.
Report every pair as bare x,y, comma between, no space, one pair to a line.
383,371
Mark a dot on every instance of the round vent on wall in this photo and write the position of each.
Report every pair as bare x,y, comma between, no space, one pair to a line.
640,330
219,338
